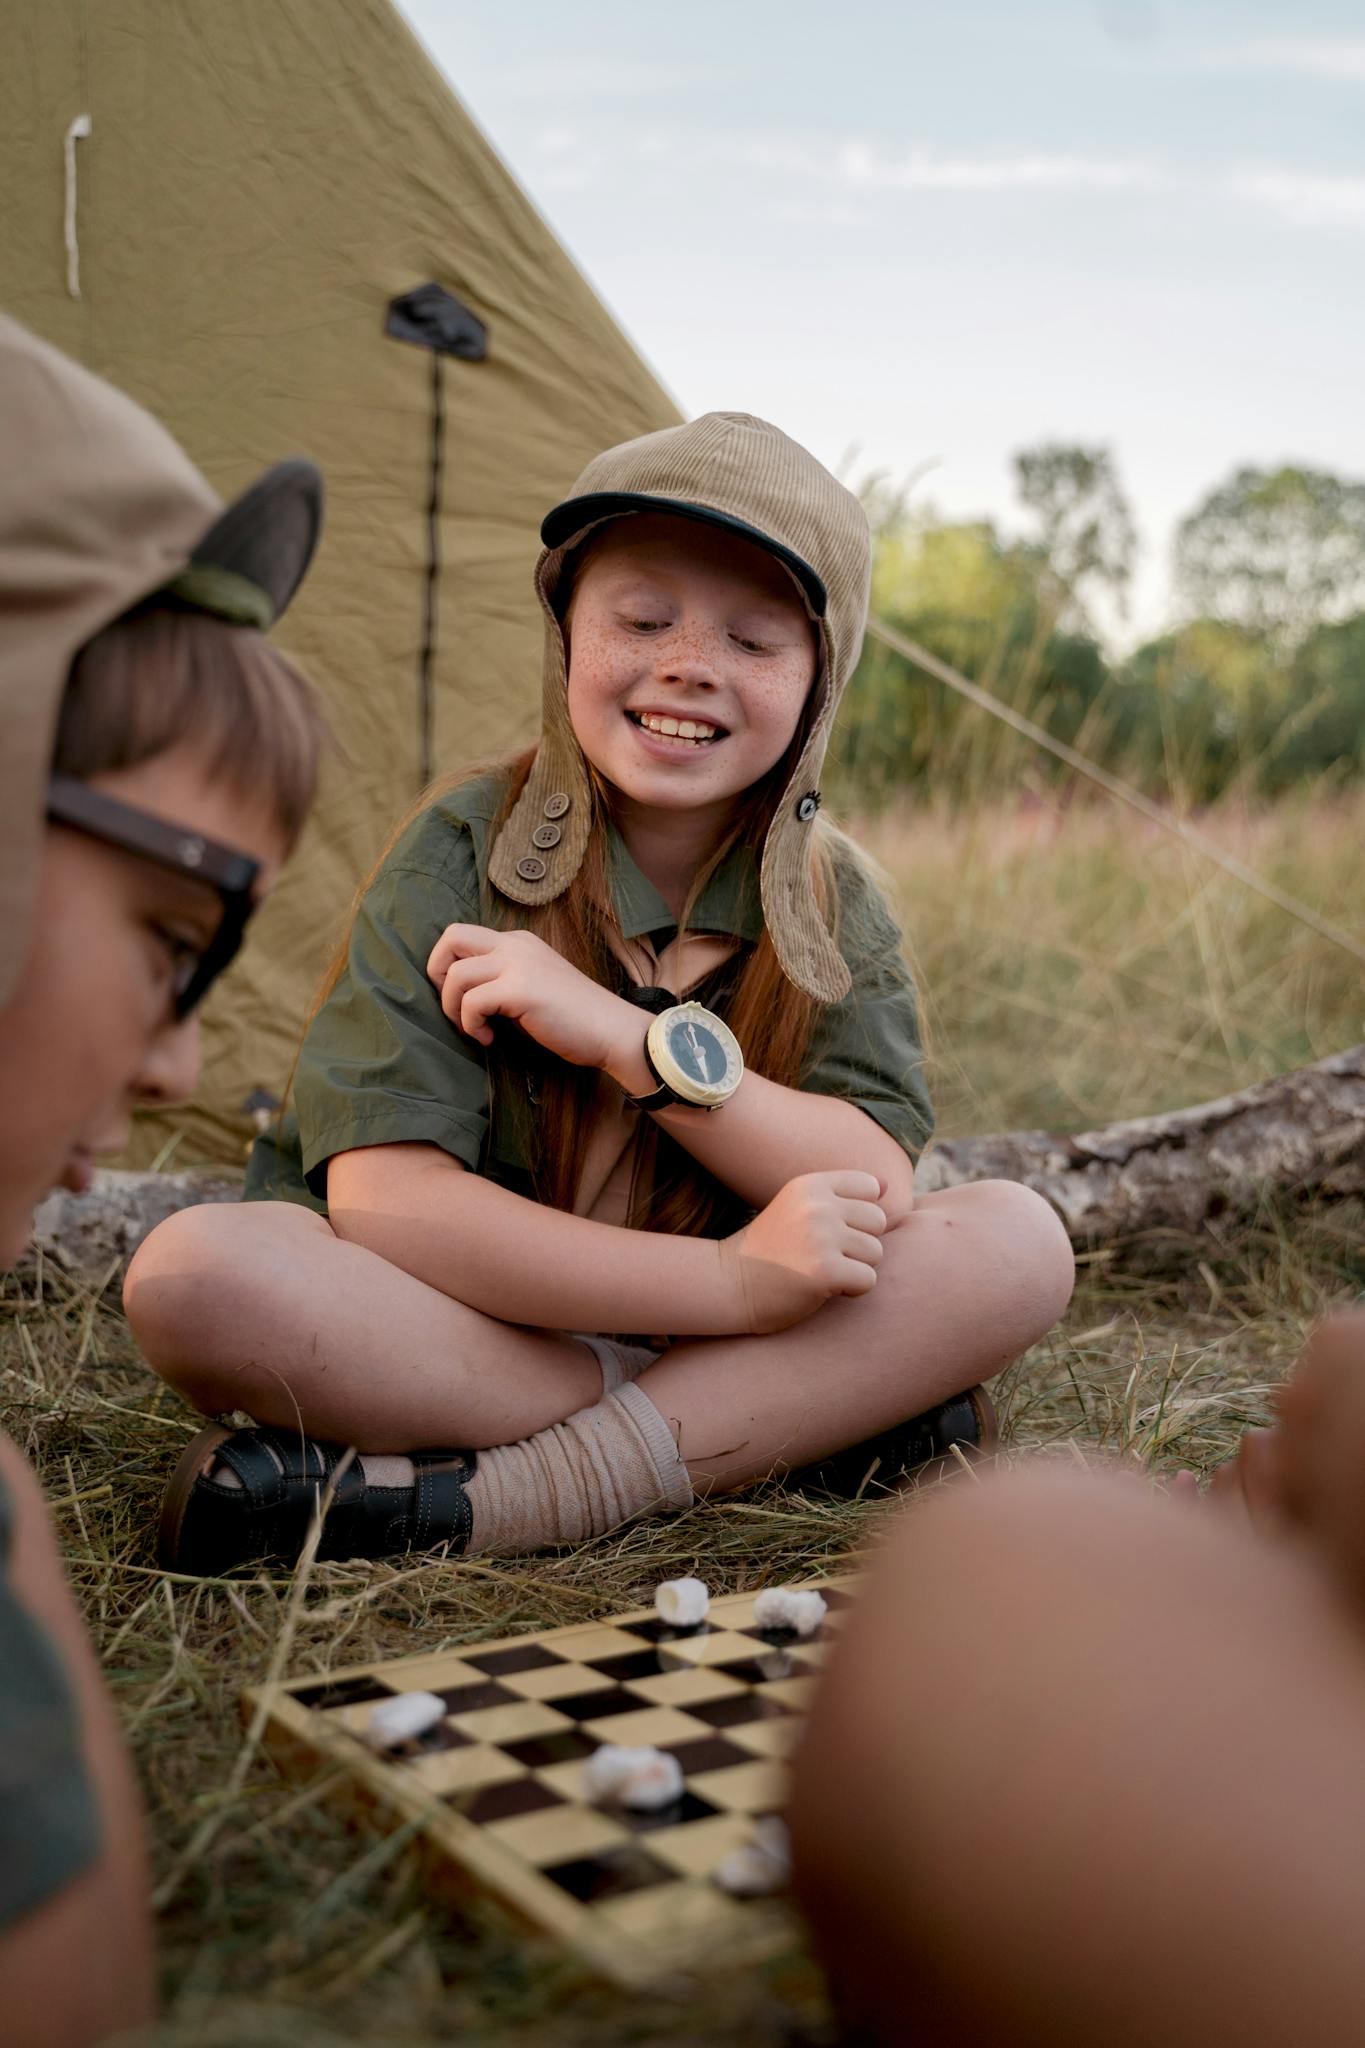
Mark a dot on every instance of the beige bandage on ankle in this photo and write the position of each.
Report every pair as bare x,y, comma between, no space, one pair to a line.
578,1478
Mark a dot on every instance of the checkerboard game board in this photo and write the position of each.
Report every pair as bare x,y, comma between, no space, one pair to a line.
496,1787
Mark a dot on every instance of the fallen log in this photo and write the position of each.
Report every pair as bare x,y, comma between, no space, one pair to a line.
1301,1134
96,1233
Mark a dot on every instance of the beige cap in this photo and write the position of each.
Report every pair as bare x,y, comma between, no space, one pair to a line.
734,471
99,508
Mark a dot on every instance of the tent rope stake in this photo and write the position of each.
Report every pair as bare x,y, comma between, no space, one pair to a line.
942,671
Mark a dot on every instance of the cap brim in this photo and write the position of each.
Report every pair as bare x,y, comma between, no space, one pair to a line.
265,538
574,514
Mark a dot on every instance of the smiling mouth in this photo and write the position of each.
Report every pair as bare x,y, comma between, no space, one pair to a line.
683,732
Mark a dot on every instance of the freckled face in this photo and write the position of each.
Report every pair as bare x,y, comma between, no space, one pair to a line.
690,659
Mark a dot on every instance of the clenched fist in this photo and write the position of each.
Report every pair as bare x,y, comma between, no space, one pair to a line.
821,1235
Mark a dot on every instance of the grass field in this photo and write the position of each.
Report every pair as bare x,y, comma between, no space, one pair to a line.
1078,967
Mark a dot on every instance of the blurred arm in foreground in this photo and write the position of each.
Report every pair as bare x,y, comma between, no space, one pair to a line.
1090,1766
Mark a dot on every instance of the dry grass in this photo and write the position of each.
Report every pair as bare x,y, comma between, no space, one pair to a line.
1081,965
1083,973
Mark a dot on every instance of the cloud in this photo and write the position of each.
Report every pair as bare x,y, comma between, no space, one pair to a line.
1319,56
566,178
820,213
554,141
1309,198
923,169
843,181
575,81
859,167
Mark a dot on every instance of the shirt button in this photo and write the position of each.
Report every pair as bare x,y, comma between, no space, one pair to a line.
531,869
557,804
546,835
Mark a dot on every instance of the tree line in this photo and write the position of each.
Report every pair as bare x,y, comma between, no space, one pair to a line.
1260,686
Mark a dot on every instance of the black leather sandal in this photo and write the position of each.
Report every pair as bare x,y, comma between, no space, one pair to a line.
909,1453
208,1528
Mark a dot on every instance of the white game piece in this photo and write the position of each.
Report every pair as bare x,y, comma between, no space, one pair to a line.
682,1603
605,1772
403,1718
642,1779
761,1866
655,1784
797,1609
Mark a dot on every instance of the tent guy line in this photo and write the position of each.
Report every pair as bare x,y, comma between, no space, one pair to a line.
920,657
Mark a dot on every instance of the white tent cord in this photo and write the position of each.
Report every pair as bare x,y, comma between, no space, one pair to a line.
920,657
78,130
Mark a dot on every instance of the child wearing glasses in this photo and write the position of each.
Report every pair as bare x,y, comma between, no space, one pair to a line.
158,760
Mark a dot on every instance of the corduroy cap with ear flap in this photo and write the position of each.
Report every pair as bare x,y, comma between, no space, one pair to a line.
736,472
100,509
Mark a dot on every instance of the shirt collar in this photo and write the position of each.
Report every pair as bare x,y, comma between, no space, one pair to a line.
730,901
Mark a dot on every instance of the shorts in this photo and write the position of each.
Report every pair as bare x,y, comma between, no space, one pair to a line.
49,1816
619,1361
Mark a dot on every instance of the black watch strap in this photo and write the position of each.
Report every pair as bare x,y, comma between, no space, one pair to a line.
663,1096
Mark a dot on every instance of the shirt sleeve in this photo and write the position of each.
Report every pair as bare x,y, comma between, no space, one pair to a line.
867,1049
49,1820
381,1064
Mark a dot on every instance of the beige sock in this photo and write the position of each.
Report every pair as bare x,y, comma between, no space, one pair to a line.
579,1478
619,1362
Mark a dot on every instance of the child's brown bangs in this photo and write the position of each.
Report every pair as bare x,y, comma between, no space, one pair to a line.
161,677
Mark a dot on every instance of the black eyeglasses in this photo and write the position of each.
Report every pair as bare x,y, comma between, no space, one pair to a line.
232,874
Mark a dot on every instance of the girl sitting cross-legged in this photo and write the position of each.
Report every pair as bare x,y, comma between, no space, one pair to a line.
598,1192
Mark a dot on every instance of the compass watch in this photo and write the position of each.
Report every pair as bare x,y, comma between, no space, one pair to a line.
693,1056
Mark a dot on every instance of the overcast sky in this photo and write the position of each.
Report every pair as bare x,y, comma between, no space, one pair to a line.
943,232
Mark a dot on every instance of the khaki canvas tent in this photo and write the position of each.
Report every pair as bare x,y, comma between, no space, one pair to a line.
258,184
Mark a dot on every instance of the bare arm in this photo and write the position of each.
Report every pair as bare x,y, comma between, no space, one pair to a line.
524,1263
766,1135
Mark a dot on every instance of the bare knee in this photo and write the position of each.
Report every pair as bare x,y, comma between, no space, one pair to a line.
885,1772
177,1294
1030,1661
1017,1251
186,1289
976,1604
1039,1244
1072,1580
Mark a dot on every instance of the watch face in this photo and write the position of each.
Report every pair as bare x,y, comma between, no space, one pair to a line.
697,1054
698,1051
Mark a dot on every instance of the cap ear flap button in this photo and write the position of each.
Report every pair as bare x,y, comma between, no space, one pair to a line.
530,869
808,805
556,804
546,835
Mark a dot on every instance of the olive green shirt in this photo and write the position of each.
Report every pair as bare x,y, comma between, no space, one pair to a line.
382,1065
49,1819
